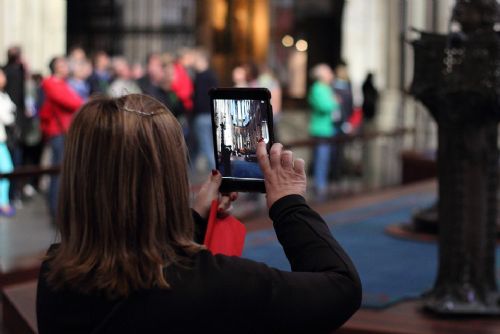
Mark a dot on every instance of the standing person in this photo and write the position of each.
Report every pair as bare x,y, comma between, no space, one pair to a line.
123,83
169,98
79,79
267,79
158,80
252,71
150,83
343,91
16,71
7,117
239,77
137,71
59,105
101,76
205,79
369,109
32,138
325,111
76,55
182,83
370,98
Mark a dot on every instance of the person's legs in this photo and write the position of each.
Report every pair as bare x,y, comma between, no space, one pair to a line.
203,130
6,166
16,155
32,156
57,148
321,167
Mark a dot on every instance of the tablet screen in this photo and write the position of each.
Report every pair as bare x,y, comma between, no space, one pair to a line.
239,125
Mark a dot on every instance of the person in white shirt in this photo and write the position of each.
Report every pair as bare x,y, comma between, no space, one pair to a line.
7,117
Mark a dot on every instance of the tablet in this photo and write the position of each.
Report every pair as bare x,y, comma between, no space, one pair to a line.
240,118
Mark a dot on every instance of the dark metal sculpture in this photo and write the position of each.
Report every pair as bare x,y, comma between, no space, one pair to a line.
457,77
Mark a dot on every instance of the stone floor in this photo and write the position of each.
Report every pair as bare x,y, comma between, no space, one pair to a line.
28,232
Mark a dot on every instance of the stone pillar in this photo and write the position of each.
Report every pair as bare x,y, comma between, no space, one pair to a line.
468,179
38,26
234,31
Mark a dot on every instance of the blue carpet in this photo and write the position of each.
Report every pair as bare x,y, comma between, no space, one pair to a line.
391,269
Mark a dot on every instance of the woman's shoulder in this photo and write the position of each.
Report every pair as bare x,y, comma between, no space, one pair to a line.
229,279
212,275
222,267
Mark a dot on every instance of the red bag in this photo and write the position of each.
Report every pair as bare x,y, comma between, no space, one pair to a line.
224,236
356,118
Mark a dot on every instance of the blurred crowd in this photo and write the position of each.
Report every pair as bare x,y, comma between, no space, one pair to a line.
333,114
36,111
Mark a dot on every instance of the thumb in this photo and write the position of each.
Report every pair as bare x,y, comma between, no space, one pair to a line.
215,177
214,181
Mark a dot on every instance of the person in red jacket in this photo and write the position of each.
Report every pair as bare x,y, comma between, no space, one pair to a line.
60,103
182,85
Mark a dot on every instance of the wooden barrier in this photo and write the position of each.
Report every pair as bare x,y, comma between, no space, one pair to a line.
417,167
30,171
349,138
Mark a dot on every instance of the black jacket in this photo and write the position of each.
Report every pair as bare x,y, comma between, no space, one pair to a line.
203,82
222,294
15,74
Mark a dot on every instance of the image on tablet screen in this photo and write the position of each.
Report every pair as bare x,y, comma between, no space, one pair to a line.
239,124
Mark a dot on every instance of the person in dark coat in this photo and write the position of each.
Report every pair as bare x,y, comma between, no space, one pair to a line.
157,83
150,83
15,72
100,79
343,91
205,79
370,98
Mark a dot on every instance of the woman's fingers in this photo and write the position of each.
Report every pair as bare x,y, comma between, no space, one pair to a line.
275,155
283,176
225,205
263,158
299,166
287,159
208,192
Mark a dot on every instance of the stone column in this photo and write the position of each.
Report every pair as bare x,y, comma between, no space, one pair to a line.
38,26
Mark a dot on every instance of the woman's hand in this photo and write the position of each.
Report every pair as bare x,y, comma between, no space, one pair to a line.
282,174
209,192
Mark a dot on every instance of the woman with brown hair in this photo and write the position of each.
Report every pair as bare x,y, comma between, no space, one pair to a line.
130,258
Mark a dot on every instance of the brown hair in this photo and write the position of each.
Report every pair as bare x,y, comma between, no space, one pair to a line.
123,208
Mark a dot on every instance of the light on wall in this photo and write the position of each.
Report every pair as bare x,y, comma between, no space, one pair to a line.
287,41
301,45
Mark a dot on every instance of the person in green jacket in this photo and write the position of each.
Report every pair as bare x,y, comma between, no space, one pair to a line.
325,110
